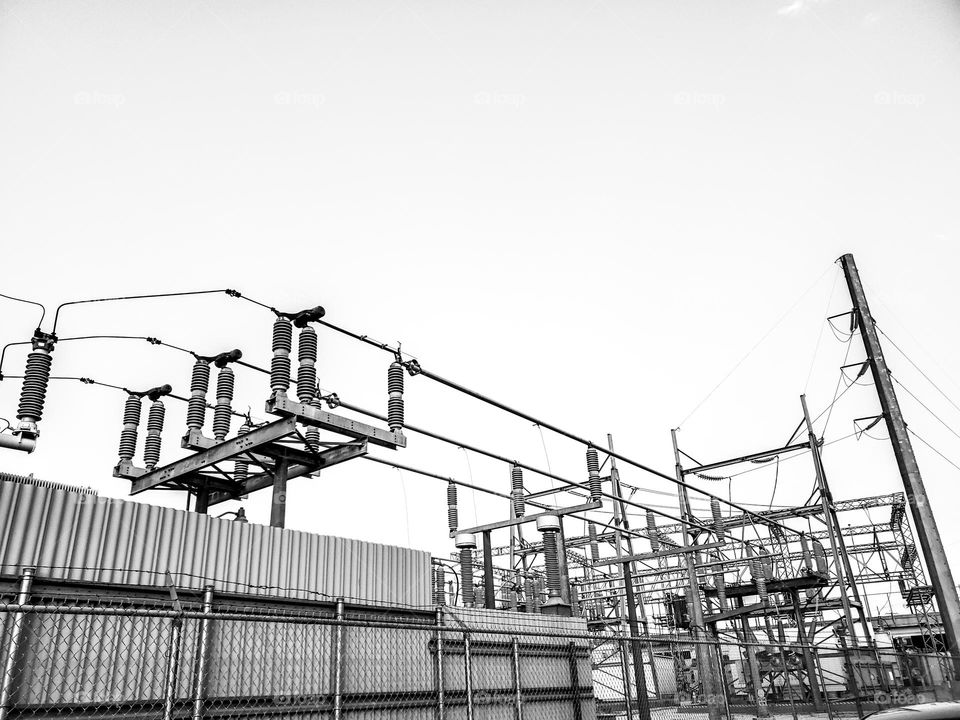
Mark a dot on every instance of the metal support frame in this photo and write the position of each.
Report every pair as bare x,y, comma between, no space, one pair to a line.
705,660
526,519
941,578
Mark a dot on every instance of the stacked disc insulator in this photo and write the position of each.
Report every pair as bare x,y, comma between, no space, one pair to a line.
222,411
307,369
36,376
395,396
452,519
151,447
516,491
280,362
131,420
197,404
593,473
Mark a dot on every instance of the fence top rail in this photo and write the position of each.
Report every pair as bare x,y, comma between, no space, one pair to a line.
596,639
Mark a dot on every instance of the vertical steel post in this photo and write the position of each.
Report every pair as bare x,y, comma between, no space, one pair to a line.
621,520
786,673
574,680
278,506
625,671
13,648
203,654
853,679
489,596
441,700
338,663
636,648
517,688
944,587
705,665
808,659
749,640
468,674
833,530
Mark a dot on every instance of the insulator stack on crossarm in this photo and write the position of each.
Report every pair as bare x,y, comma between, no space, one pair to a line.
452,520
280,362
528,593
151,447
594,545
307,369
395,396
549,525
593,473
197,404
717,517
312,434
241,466
222,410
721,584
516,491
652,533
131,420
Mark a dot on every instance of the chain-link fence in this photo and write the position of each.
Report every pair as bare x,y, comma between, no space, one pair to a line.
204,656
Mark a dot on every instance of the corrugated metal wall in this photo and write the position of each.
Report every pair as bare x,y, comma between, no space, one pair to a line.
73,535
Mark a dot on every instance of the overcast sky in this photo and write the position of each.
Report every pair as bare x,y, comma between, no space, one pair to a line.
590,210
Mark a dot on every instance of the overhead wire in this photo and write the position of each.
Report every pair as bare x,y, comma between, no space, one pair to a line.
917,368
755,346
43,310
944,457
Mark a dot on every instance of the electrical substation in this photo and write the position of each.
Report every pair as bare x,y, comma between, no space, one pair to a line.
114,608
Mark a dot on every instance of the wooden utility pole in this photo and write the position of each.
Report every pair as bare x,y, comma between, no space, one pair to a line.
944,588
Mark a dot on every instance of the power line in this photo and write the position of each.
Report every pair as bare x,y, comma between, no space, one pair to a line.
917,368
924,406
752,349
43,312
945,458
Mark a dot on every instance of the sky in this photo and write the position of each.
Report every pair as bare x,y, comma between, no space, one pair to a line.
593,211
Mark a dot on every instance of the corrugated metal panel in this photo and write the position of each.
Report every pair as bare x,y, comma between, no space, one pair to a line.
79,536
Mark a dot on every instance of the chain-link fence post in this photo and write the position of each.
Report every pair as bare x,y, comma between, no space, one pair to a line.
441,706
13,647
202,655
851,673
517,689
172,668
338,663
625,671
468,674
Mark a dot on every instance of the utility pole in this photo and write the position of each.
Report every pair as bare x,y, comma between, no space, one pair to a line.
944,587
707,663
